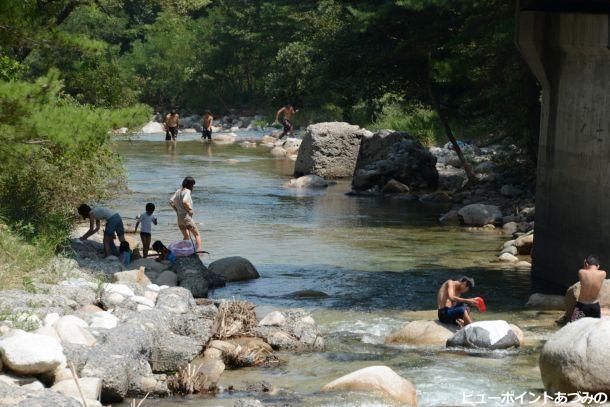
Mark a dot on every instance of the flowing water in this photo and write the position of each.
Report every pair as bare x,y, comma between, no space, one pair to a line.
380,261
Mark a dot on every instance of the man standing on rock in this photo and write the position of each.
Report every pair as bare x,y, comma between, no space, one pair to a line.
206,132
591,280
287,112
451,308
172,121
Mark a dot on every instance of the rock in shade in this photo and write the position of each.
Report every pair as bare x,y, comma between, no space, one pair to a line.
329,150
480,214
422,333
388,155
395,187
377,379
575,358
234,269
168,278
525,243
28,354
307,181
486,334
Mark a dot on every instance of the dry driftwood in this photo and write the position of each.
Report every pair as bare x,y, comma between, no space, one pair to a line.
234,318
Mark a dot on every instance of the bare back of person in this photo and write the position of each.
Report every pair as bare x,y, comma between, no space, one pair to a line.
451,306
442,298
207,121
591,281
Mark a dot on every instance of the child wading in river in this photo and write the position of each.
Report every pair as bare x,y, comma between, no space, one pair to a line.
146,219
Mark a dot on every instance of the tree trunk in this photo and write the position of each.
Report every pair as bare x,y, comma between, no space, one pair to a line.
472,179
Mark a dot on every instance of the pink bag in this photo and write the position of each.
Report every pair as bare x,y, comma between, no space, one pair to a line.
183,248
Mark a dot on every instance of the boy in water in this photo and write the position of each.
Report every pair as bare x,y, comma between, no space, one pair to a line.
591,280
287,111
451,308
146,219
206,132
172,121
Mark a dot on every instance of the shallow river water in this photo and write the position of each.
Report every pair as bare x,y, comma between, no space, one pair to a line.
379,260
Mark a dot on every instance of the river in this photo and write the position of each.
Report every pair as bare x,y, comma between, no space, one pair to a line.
379,260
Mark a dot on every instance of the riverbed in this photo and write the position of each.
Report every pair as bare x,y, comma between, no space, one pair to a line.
379,262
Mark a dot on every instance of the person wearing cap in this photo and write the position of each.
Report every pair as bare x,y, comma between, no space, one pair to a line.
452,308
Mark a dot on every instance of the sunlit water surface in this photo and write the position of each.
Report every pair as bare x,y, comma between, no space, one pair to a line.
380,261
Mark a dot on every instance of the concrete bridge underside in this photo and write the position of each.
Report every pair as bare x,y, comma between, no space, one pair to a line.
566,44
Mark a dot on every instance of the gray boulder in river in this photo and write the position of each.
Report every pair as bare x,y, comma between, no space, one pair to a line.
329,150
234,269
388,155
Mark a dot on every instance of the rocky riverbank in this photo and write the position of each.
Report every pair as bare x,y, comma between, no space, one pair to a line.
132,337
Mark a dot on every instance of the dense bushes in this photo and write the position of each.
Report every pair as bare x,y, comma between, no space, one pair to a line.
55,154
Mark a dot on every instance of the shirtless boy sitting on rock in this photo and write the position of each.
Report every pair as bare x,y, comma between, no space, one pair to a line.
451,307
591,280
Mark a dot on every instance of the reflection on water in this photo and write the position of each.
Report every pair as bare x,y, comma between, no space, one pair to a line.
379,261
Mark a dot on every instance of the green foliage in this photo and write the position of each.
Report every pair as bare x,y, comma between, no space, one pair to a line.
55,154
10,70
420,122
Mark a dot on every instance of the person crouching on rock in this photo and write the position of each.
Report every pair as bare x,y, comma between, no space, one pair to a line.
451,307
182,203
114,224
164,252
591,280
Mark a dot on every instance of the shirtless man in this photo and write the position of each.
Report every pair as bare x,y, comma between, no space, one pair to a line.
206,133
451,308
287,111
591,281
172,121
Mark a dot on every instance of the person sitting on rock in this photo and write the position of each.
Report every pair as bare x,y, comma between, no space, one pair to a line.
591,280
288,111
451,307
114,224
164,252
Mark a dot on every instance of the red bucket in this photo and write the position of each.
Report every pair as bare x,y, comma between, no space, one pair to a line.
480,304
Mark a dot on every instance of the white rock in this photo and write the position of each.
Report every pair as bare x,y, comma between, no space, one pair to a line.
153,127
575,358
308,320
130,276
48,331
74,330
308,181
28,353
379,379
119,289
51,318
278,152
114,299
90,386
487,334
142,307
153,287
34,386
512,250
104,320
70,320
274,318
62,374
509,258
151,295
143,300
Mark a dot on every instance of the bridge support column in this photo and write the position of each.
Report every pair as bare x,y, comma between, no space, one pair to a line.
569,54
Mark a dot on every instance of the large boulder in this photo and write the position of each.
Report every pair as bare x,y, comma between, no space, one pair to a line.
488,335
234,269
30,354
388,155
575,358
422,333
574,291
377,379
192,274
329,150
480,214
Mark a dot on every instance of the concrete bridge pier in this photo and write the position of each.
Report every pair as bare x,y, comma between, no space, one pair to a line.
566,44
